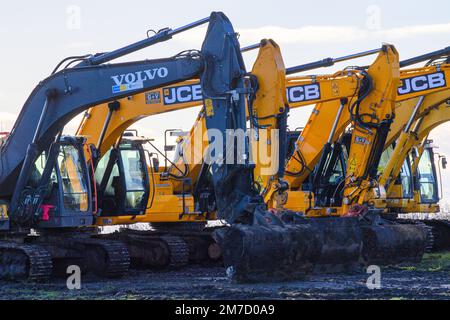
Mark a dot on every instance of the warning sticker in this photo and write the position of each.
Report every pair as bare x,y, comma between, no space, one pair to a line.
259,180
209,107
128,87
153,97
353,164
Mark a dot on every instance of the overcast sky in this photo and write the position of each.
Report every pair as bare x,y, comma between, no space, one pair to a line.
36,35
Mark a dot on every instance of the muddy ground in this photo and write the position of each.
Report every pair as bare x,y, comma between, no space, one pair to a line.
429,280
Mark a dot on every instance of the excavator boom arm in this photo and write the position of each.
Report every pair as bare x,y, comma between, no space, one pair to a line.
64,95
414,138
60,97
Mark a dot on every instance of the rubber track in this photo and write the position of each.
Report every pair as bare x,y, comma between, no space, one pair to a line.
40,261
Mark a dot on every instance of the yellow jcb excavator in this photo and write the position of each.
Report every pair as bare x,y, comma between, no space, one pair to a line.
251,113
174,195
416,186
316,135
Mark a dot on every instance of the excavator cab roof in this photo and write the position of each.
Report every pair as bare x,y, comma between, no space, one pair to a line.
133,137
73,140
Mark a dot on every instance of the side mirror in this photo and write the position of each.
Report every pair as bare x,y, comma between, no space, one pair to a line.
444,163
155,162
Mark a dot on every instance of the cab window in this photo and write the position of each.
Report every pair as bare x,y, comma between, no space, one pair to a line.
134,178
406,180
427,177
73,180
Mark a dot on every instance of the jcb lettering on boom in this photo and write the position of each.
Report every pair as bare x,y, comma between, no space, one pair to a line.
307,92
422,83
183,94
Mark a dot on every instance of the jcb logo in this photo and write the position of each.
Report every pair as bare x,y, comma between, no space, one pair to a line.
422,83
183,94
303,93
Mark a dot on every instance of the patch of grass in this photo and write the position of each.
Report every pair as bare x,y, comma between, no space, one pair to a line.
408,268
49,295
433,262
130,297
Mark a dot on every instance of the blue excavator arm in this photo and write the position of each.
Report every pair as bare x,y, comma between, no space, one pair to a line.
225,99
60,97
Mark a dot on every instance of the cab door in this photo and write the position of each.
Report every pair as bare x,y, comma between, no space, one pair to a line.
123,181
427,178
135,179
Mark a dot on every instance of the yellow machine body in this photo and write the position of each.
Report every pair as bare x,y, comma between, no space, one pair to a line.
332,89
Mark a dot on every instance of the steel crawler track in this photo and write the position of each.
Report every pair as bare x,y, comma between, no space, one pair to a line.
441,234
198,237
429,246
109,259
151,250
179,251
116,257
25,261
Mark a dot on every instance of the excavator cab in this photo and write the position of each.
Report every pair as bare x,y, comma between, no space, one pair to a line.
327,179
292,137
403,187
426,177
405,179
122,178
4,219
67,200
329,186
